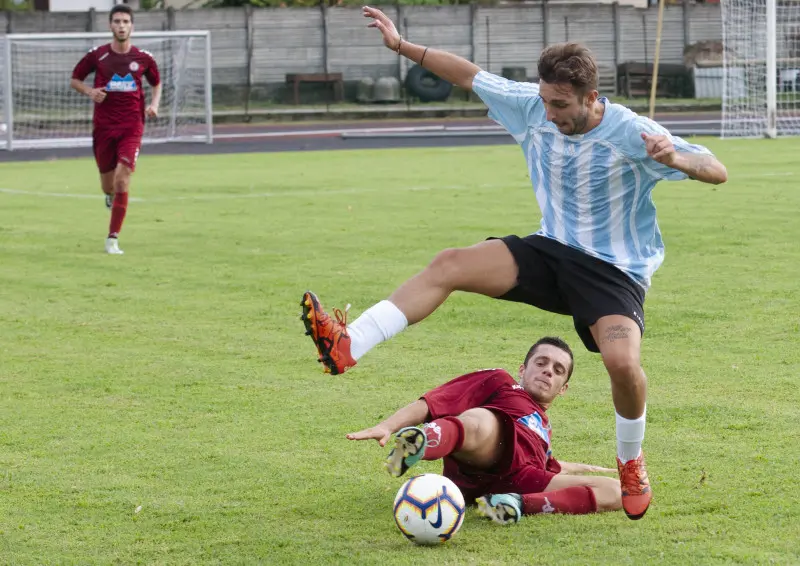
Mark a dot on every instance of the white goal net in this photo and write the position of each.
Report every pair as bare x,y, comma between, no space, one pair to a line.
40,110
761,93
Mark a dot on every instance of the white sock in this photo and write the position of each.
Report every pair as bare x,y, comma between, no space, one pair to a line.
630,434
375,325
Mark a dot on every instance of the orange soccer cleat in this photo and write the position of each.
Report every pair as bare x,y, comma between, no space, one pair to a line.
636,492
330,336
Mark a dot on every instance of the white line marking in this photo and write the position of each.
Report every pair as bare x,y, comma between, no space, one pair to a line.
398,131
57,195
757,175
312,193
330,132
270,194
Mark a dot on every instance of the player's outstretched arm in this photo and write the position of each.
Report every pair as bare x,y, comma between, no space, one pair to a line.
410,415
448,66
574,468
699,166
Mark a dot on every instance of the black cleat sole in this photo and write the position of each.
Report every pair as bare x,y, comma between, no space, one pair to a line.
636,517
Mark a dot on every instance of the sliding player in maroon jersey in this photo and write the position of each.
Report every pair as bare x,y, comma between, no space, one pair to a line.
119,111
493,434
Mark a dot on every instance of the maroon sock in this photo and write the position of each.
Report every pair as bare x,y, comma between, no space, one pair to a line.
118,210
578,500
445,436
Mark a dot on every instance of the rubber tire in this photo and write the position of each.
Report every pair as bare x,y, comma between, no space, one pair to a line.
426,86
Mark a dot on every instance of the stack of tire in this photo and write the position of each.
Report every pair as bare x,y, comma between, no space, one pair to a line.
426,86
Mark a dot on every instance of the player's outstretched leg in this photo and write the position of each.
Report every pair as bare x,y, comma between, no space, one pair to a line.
462,269
635,485
329,336
409,448
503,508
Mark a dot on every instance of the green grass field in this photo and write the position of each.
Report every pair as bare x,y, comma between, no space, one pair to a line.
176,380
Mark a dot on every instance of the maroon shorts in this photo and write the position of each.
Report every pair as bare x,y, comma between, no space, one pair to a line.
115,146
515,473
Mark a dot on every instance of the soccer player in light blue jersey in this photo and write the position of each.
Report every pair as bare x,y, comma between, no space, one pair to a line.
593,165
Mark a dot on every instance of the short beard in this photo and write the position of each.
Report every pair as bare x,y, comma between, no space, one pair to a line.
579,123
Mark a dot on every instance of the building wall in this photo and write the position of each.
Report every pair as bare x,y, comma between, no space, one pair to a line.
254,49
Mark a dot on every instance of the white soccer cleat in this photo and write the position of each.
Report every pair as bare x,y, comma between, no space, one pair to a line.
409,448
112,247
109,201
503,509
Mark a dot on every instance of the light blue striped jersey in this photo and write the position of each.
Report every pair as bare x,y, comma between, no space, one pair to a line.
594,189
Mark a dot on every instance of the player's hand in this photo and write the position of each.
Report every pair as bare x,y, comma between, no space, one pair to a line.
151,111
391,37
98,95
660,148
378,432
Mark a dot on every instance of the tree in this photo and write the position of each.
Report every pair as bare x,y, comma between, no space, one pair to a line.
16,5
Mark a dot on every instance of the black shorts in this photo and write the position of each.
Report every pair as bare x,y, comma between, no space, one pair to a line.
564,280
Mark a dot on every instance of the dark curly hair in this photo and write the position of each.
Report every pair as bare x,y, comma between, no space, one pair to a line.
571,63
120,9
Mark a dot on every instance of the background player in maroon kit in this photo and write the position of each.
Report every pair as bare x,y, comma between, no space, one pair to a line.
119,111
494,436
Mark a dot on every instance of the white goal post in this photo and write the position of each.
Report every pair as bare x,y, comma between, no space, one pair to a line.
761,54
38,109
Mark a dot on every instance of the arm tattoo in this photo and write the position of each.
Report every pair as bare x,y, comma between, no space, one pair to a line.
616,332
699,165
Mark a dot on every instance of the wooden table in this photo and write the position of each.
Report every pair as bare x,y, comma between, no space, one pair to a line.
334,79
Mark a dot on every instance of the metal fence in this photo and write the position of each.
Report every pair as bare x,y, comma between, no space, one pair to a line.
254,49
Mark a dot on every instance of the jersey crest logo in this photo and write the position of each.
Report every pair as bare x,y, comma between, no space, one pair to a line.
121,84
134,66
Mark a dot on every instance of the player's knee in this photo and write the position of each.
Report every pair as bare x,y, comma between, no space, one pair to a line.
622,364
472,427
122,180
447,267
607,494
481,426
482,445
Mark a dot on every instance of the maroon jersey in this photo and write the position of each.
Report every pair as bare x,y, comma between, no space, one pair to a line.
495,389
120,75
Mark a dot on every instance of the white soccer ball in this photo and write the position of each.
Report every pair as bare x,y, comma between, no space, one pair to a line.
429,509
